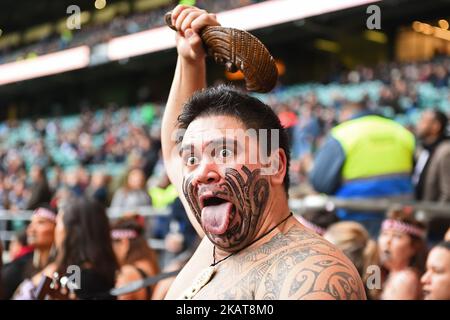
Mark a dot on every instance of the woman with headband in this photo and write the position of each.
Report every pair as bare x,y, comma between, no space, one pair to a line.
40,235
84,250
136,258
402,249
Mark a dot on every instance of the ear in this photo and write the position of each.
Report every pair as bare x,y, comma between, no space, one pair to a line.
278,167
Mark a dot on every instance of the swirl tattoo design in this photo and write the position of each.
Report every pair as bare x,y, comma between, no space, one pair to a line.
248,192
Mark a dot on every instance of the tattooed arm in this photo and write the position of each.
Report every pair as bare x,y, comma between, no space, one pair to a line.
190,76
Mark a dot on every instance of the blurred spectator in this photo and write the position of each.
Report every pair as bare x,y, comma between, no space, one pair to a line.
18,247
317,220
162,287
18,196
366,156
133,194
82,238
354,240
98,187
436,281
402,251
40,235
40,191
288,120
432,171
136,259
72,183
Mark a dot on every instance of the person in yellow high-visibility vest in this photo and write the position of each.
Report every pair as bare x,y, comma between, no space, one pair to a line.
366,156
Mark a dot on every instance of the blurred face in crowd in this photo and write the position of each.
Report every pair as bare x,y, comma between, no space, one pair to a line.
60,230
348,111
40,232
136,179
35,173
436,280
427,126
98,180
396,249
223,183
71,178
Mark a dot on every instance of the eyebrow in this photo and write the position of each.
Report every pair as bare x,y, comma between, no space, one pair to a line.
215,142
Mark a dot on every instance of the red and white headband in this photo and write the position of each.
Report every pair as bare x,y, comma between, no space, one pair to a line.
391,224
119,234
314,227
45,213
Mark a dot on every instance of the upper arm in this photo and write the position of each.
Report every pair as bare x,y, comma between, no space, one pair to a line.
329,279
326,173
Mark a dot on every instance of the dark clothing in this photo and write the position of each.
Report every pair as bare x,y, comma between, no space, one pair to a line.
326,175
14,273
432,171
432,182
94,286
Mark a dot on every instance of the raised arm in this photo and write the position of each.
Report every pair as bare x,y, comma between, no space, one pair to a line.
190,76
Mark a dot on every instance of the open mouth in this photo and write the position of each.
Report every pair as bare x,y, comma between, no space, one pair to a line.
213,201
216,214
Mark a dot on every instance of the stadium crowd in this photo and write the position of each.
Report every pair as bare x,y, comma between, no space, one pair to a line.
95,33
68,170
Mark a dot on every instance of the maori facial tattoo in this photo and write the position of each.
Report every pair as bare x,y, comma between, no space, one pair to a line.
230,211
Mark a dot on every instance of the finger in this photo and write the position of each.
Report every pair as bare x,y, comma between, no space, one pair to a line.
177,10
208,19
179,20
188,20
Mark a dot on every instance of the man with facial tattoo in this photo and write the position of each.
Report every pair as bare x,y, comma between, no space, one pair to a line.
253,248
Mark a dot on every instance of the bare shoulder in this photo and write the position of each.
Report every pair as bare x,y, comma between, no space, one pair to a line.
303,265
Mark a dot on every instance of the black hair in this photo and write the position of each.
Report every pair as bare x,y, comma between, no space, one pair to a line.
322,217
440,117
224,100
87,238
443,244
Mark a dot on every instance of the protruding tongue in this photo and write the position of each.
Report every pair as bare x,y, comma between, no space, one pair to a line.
215,219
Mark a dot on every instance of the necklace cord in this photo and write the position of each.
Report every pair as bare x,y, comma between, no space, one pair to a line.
257,239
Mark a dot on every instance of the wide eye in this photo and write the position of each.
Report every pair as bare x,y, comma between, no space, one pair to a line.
191,161
225,153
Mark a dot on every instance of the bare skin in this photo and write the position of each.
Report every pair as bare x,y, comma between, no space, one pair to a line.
288,262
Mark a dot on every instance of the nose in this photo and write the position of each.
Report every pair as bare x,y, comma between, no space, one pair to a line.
425,278
206,173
